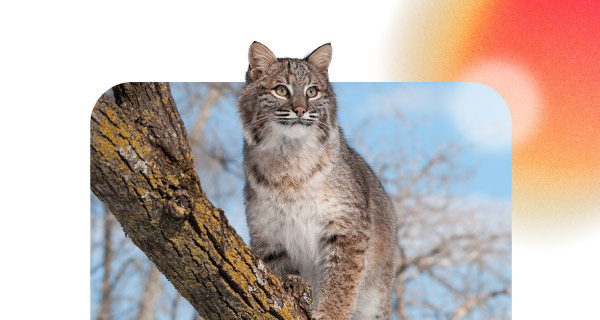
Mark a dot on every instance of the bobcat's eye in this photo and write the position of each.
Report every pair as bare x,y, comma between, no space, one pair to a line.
311,92
281,90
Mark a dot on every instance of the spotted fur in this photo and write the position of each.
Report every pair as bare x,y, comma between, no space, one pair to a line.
314,206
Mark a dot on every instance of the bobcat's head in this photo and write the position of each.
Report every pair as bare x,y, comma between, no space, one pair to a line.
289,98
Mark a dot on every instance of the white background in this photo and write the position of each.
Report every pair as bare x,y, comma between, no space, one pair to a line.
57,57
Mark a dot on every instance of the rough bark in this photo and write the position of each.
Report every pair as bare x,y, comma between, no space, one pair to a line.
143,171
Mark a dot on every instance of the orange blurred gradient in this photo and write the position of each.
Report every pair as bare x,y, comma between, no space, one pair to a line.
543,58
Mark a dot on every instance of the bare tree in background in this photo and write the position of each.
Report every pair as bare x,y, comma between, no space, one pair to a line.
454,253
105,303
453,250
147,310
116,266
218,160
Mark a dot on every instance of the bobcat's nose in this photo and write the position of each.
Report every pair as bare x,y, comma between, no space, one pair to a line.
299,111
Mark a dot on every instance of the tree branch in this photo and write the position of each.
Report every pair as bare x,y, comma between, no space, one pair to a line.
471,303
143,171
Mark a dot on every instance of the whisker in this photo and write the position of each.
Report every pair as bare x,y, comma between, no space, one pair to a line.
322,131
313,115
256,120
322,126
326,125
262,129
253,122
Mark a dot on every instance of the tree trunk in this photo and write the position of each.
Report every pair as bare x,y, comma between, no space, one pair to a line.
143,171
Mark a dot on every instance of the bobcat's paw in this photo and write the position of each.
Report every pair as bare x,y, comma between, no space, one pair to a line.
319,315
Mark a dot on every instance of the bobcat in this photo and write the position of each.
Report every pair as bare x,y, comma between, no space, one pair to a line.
314,207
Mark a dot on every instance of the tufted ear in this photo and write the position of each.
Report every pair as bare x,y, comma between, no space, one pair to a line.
321,57
260,58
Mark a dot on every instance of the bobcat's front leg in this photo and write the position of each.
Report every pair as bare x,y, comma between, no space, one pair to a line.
274,256
343,262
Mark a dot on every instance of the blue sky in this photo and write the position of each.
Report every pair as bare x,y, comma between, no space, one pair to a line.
412,117
468,114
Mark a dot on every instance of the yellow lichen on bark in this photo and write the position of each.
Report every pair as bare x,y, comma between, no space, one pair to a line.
140,156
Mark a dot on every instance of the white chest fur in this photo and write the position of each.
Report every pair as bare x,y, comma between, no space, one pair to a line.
292,217
297,226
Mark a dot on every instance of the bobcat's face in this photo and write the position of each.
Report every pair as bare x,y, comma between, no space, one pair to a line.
292,97
288,97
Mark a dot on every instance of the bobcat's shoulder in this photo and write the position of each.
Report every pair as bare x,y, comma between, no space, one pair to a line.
313,205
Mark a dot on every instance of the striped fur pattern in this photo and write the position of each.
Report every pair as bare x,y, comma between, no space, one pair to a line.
313,205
